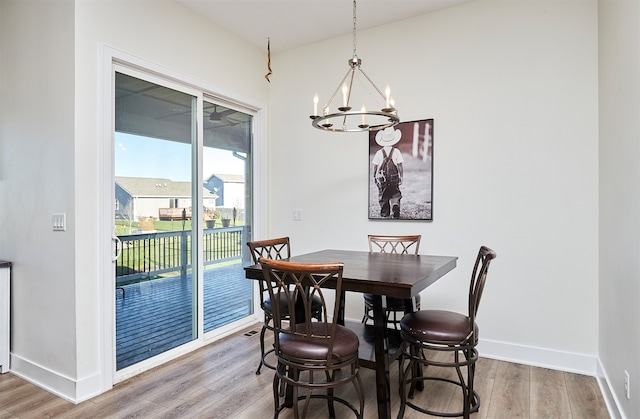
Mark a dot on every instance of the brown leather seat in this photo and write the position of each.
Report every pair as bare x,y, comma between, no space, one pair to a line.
437,326
315,356
278,248
309,347
449,332
395,306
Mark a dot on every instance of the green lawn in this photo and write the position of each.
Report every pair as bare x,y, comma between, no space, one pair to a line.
124,227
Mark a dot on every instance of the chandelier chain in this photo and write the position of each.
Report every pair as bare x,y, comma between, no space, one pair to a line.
354,30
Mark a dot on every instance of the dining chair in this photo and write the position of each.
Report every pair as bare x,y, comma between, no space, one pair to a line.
391,244
276,248
429,332
314,356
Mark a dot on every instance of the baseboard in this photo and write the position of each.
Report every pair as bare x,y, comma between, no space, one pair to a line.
610,399
69,389
538,357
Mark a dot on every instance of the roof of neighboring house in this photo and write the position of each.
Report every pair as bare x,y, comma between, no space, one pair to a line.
157,187
228,178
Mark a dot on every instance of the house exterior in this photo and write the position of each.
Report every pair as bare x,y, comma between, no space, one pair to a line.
229,188
138,197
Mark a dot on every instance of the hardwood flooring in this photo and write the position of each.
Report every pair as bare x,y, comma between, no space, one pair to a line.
219,381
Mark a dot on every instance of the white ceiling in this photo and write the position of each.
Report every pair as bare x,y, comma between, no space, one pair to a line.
293,23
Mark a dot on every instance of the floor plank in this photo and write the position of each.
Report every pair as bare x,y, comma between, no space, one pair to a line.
219,381
585,397
549,397
510,397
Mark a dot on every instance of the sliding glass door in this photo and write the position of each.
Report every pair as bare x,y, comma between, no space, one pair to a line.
227,176
181,200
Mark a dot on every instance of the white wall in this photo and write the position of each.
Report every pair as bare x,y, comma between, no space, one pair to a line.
51,155
619,43
36,177
512,87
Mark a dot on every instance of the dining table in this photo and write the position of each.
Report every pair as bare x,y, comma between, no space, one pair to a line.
382,275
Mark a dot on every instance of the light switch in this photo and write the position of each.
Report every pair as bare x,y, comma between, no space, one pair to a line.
297,214
59,222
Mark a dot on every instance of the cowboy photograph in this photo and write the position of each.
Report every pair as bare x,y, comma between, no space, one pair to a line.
401,171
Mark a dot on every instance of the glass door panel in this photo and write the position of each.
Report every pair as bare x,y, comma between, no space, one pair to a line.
228,295
156,291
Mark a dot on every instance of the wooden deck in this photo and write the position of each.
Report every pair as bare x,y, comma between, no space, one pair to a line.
154,316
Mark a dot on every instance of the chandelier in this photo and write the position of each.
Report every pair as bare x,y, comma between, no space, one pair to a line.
347,119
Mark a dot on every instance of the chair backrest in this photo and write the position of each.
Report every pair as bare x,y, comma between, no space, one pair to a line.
394,244
274,249
478,279
299,284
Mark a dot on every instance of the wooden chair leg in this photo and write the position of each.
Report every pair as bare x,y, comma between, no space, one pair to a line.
262,333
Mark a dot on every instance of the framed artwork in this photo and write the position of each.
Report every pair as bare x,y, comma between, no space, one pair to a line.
401,172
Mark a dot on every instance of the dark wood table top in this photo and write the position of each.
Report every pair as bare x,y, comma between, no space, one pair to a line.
393,275
381,274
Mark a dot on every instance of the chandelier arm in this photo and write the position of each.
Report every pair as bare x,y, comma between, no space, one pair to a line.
344,123
347,106
353,74
328,102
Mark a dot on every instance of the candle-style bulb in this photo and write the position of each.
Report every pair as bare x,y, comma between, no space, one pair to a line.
315,104
387,93
345,90
363,109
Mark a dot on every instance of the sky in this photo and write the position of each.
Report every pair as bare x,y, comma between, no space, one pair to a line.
137,156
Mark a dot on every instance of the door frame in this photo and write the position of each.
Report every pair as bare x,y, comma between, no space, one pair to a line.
110,58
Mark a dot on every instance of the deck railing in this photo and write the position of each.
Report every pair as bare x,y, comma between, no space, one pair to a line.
146,255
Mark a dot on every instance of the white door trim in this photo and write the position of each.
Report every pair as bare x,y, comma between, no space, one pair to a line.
109,58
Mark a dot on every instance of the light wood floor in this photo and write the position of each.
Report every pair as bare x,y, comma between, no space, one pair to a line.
219,381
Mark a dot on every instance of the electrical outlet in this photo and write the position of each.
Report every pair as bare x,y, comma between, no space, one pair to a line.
627,385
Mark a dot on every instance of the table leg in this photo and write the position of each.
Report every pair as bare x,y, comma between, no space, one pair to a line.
341,308
410,307
382,361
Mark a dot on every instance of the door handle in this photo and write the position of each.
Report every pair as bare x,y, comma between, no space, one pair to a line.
118,248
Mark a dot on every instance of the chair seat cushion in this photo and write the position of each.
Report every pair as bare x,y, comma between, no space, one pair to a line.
437,326
307,347
394,304
316,305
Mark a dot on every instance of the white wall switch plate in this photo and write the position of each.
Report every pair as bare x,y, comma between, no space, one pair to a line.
59,222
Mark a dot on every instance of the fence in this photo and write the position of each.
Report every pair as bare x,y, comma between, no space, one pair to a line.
147,255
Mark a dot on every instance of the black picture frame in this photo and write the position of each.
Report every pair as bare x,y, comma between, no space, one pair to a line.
415,145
